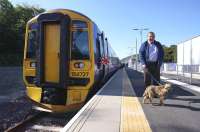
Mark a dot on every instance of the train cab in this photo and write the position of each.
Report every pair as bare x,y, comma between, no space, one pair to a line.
62,59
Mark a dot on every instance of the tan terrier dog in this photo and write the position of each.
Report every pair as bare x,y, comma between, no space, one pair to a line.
152,91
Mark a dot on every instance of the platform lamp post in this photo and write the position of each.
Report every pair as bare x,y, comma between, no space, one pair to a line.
131,54
141,36
136,57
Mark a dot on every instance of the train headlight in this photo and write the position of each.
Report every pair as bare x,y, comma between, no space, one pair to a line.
79,65
76,65
33,64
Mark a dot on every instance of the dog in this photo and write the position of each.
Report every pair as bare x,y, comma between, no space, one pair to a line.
160,91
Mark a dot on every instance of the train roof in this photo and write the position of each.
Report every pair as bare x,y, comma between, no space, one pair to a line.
64,11
68,10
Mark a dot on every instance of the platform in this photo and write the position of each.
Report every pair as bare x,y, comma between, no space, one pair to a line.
117,107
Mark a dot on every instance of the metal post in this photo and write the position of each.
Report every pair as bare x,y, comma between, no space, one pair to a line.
183,64
136,54
132,57
141,36
191,62
141,31
177,71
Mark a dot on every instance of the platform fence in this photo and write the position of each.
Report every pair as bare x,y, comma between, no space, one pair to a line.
184,73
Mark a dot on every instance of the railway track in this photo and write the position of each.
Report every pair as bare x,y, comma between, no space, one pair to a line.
43,121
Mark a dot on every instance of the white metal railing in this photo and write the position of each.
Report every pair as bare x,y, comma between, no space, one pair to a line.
185,73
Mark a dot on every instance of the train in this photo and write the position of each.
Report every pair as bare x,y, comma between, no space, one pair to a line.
66,58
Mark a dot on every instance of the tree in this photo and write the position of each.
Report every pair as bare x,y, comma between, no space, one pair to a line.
13,21
24,14
7,25
170,53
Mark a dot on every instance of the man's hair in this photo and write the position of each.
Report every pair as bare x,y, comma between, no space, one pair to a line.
152,33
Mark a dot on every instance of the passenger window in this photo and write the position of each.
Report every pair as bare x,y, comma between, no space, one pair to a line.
32,43
101,47
98,54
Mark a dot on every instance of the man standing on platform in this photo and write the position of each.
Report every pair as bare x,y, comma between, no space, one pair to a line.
151,57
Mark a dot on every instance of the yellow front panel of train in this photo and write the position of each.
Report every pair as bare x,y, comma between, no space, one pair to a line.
52,52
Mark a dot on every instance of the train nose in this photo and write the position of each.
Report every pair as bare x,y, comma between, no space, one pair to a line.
54,96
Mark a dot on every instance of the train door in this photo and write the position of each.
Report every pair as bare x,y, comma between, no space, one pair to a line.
52,69
100,51
51,52
106,55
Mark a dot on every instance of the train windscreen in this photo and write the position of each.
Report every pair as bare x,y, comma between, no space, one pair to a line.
32,42
80,47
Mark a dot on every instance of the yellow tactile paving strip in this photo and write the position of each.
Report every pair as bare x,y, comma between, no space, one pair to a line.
133,118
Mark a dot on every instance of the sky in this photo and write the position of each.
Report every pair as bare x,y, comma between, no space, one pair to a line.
173,21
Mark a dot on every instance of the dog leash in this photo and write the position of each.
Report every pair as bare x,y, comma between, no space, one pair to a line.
154,78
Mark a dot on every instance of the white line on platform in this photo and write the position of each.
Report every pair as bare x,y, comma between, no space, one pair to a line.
71,122
192,87
46,128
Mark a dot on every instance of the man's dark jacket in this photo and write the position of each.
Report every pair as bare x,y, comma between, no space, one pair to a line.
144,53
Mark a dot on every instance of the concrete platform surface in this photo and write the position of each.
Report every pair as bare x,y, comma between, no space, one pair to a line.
181,112
118,107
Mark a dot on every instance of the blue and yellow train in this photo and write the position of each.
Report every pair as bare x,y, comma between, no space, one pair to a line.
65,57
